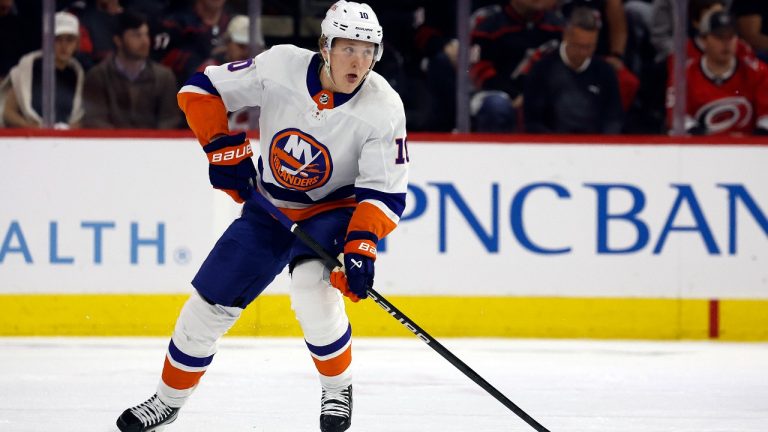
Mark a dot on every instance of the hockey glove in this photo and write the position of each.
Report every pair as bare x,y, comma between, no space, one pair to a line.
230,165
356,278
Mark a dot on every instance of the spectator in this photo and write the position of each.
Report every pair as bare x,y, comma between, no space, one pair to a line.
612,41
695,48
752,24
24,103
662,31
420,58
422,31
237,43
238,38
507,39
97,23
639,21
662,28
571,91
662,37
727,95
697,10
194,35
128,90
19,32
437,49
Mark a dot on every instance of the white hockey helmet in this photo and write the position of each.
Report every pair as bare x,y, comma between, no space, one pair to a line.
351,20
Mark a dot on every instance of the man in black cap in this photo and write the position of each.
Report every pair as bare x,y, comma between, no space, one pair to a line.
727,94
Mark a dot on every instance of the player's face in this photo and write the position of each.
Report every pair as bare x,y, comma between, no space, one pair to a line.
580,45
720,47
350,61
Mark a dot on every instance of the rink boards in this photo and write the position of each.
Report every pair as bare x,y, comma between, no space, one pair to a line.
532,238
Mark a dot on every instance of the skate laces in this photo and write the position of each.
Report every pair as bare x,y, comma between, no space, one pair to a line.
335,402
151,411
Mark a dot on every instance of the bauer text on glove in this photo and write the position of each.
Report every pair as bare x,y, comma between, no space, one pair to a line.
230,166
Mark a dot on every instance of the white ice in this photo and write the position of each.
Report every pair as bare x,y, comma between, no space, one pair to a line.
268,384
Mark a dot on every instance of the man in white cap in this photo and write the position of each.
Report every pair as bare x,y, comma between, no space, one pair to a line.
23,106
238,39
334,158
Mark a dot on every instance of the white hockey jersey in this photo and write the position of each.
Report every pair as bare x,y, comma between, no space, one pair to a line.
318,150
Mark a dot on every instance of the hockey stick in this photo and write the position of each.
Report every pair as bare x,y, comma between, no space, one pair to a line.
332,262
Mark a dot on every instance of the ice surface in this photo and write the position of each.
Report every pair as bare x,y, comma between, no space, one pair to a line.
270,384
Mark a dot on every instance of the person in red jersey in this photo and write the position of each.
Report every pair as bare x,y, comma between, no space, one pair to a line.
726,94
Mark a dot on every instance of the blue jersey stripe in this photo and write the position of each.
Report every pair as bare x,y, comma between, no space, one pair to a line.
393,201
202,81
188,360
333,347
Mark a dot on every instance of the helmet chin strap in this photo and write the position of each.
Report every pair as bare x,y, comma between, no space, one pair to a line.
328,69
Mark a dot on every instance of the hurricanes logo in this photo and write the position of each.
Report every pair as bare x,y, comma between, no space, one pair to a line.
723,114
298,161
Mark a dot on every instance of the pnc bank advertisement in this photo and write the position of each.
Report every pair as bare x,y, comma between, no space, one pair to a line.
88,215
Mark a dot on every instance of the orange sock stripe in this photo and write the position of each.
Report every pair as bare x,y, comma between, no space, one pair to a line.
178,379
335,366
206,115
368,217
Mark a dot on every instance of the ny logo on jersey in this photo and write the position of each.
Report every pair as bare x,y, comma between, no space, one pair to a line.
298,161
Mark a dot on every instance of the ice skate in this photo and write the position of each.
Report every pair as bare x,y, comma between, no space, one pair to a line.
336,410
150,416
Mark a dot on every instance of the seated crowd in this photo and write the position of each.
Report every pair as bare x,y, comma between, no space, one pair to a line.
536,66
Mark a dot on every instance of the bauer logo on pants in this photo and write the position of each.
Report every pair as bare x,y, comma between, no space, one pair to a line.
298,161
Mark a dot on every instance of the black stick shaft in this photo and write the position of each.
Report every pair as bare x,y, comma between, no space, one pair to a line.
332,262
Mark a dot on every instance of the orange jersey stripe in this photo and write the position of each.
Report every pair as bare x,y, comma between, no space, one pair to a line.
368,217
306,213
206,115
335,366
178,379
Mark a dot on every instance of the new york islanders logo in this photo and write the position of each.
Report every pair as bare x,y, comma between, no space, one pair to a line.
298,161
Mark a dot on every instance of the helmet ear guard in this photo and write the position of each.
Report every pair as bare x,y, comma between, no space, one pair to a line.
355,21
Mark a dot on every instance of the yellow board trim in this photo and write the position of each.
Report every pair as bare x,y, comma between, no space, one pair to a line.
530,317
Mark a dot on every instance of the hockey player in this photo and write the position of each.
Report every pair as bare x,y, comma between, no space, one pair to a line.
333,157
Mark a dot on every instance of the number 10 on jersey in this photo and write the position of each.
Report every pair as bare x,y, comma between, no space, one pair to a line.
402,151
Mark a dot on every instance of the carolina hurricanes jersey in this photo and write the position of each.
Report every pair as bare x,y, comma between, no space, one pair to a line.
734,104
318,150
